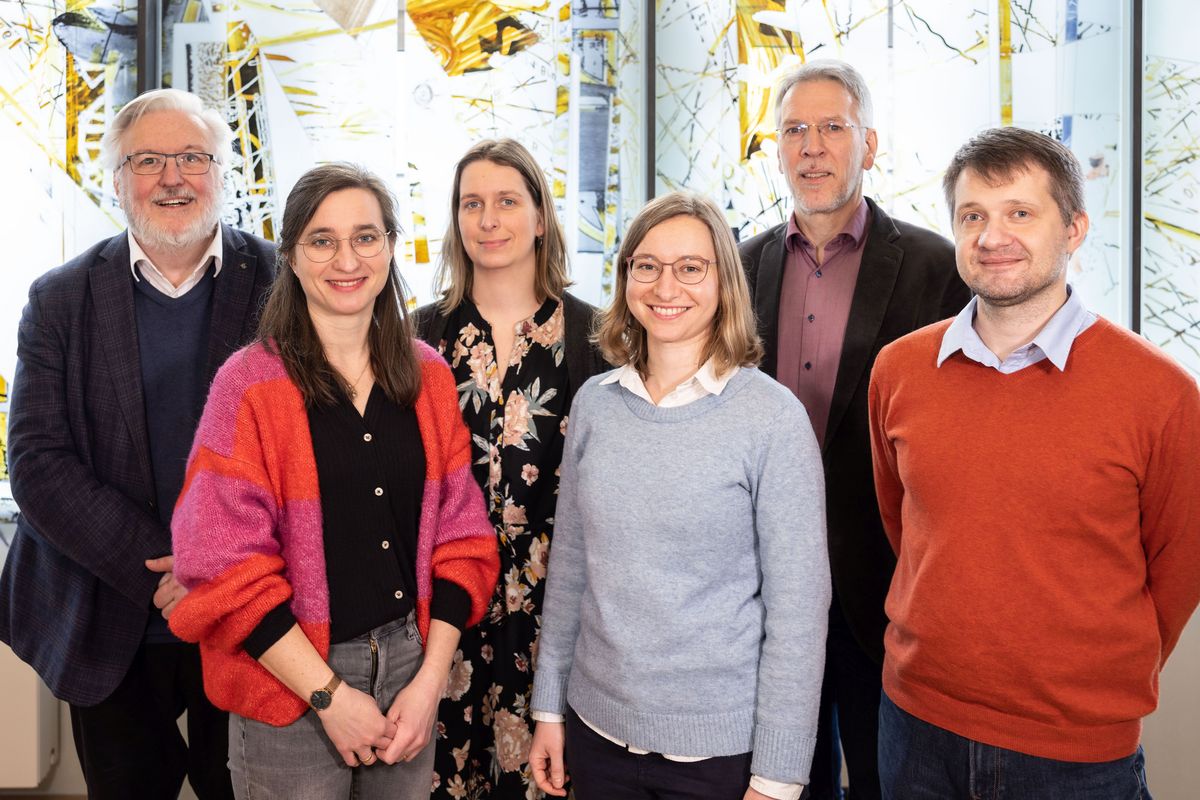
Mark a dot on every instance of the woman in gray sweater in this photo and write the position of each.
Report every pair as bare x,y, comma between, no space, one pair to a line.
683,636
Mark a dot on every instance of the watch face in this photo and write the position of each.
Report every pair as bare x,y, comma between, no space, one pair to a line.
321,699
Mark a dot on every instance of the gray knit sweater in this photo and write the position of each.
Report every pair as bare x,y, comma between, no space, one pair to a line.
688,587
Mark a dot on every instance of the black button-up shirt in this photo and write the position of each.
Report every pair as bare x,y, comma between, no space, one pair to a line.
371,474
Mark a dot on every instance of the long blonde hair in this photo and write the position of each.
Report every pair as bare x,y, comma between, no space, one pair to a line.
455,271
734,339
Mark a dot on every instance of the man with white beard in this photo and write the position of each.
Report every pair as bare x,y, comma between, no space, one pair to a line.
116,350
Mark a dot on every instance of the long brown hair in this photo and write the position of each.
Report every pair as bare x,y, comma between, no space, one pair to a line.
455,271
286,327
734,339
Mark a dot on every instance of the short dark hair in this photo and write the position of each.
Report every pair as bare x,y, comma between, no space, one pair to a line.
286,327
998,153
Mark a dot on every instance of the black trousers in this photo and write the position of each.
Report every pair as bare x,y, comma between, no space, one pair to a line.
130,746
601,770
848,721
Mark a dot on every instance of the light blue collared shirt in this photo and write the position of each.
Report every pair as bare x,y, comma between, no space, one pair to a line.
1053,341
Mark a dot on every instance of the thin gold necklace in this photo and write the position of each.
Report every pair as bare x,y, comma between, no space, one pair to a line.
352,388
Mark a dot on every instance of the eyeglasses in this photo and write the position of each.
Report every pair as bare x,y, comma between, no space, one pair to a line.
367,243
831,129
154,163
648,269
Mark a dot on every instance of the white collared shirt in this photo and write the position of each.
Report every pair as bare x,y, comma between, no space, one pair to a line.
704,383
142,267
1053,342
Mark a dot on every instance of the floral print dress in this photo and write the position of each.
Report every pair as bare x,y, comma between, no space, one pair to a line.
517,426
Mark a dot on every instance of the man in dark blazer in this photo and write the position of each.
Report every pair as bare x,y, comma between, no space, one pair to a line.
831,287
116,349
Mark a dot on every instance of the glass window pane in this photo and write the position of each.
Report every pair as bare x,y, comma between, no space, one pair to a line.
306,83
1171,181
938,73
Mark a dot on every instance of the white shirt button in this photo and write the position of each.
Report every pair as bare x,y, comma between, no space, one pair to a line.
366,437
379,491
399,595
385,544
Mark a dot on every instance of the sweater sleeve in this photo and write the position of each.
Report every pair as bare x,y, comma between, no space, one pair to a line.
888,487
1170,508
789,521
224,528
565,577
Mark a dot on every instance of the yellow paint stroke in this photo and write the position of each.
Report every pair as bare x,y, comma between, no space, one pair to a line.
1158,222
465,35
720,37
1006,90
244,87
320,33
81,96
762,48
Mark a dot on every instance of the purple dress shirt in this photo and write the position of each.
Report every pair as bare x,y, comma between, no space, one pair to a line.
814,306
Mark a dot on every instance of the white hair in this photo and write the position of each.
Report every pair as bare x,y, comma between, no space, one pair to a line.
219,133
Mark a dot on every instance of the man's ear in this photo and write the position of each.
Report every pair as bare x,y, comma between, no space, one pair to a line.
872,146
1077,231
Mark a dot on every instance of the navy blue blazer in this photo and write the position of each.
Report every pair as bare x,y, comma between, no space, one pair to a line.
74,594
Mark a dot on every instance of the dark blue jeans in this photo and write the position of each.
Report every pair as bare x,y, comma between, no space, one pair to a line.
919,761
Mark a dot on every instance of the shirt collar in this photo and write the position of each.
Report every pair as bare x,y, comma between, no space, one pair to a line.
136,254
855,228
1054,339
704,382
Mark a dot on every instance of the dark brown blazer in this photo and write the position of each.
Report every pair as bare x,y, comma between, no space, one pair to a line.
908,280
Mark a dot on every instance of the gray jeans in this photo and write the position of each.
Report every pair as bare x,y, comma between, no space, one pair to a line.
298,762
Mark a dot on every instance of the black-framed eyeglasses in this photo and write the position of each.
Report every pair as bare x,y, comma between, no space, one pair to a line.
830,129
367,243
153,163
648,269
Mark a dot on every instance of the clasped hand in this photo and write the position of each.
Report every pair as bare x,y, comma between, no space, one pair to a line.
356,727
169,591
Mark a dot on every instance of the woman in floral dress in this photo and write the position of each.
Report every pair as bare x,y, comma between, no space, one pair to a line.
518,346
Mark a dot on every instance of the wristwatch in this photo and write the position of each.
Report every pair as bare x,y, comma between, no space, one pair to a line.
321,698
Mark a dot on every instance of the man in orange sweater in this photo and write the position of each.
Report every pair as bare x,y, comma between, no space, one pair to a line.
1038,479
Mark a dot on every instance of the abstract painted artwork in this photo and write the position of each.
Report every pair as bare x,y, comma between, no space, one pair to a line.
938,72
64,66
1171,185
305,82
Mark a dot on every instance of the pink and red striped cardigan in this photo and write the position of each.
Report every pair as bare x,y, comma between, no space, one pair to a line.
247,527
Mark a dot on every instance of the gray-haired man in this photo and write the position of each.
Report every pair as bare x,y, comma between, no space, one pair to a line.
115,353
831,286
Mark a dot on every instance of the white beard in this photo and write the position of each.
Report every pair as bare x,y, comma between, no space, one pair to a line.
153,237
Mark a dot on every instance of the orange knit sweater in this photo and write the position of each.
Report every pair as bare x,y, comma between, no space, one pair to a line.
1047,531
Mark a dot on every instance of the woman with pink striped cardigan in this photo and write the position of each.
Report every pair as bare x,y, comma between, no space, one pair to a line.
329,531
